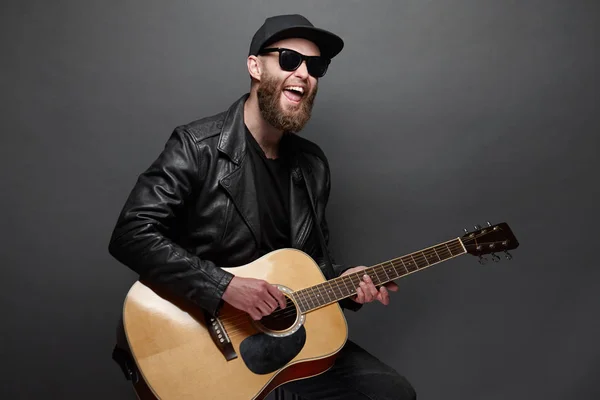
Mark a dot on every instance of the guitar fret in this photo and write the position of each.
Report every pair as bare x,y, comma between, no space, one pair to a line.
348,291
320,297
386,274
433,254
440,250
414,263
307,298
380,278
394,268
372,273
315,295
329,292
312,297
446,249
404,264
422,254
354,284
338,286
352,287
298,296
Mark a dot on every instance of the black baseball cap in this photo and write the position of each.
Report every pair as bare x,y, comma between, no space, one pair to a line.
281,27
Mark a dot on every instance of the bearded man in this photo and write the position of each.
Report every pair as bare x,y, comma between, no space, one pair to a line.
228,189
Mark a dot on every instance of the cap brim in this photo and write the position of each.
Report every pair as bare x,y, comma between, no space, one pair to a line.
329,43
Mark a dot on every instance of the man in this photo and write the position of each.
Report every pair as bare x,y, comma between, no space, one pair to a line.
228,189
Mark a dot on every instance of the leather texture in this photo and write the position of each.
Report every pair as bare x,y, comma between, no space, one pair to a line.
194,209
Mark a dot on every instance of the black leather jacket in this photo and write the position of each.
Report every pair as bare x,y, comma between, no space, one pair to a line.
194,209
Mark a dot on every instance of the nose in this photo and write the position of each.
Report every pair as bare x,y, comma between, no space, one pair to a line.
302,71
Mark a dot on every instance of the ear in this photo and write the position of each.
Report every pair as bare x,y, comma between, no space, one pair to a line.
254,67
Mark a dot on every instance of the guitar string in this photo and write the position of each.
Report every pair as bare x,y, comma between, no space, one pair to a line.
244,316
380,273
236,330
243,322
233,321
282,313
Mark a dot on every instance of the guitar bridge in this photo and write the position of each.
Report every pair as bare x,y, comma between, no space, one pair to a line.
220,336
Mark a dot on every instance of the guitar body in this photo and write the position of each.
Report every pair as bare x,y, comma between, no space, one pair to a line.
178,357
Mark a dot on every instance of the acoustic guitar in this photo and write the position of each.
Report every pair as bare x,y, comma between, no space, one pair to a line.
185,353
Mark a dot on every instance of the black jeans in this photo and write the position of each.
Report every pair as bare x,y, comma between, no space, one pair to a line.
356,375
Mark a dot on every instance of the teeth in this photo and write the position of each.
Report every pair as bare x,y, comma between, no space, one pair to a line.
296,89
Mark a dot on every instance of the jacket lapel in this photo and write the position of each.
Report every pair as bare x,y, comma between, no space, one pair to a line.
301,220
239,183
240,186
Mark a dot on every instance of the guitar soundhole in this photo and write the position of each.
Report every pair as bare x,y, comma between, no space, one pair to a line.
280,320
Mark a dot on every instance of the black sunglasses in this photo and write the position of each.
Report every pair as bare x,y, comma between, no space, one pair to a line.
290,60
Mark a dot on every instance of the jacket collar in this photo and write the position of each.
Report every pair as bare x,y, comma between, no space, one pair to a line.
232,141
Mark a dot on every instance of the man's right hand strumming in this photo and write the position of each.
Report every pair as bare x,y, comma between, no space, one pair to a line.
254,296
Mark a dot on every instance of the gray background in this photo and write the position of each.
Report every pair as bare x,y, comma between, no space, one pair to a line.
436,116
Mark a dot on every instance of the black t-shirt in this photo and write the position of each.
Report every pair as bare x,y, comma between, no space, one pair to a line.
272,177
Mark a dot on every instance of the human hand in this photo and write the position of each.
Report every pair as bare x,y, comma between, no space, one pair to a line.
254,296
366,292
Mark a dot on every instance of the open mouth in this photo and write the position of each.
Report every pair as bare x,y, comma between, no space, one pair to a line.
294,93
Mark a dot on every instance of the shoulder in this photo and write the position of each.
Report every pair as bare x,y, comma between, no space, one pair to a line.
310,150
204,128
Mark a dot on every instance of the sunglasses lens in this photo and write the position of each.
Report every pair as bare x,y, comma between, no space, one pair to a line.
317,66
289,60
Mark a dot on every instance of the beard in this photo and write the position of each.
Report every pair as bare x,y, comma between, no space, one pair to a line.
291,120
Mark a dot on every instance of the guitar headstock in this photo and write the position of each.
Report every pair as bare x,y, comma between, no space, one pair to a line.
490,240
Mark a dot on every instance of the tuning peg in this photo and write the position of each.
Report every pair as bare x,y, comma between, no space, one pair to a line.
477,227
482,260
466,230
489,223
495,258
508,255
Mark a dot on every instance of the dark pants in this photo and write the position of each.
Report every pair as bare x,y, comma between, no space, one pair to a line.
356,375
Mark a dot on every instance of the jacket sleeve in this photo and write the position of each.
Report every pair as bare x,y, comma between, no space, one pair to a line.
143,238
338,269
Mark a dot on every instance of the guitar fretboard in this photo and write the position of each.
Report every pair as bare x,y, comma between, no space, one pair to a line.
339,288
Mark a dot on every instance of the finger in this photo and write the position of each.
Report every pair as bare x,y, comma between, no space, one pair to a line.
392,286
266,296
367,292
255,314
272,308
264,308
360,295
370,286
278,295
384,296
373,289
268,300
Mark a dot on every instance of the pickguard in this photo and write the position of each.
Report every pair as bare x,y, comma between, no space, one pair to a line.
263,353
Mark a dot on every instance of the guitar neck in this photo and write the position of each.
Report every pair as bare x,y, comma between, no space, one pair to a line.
328,292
